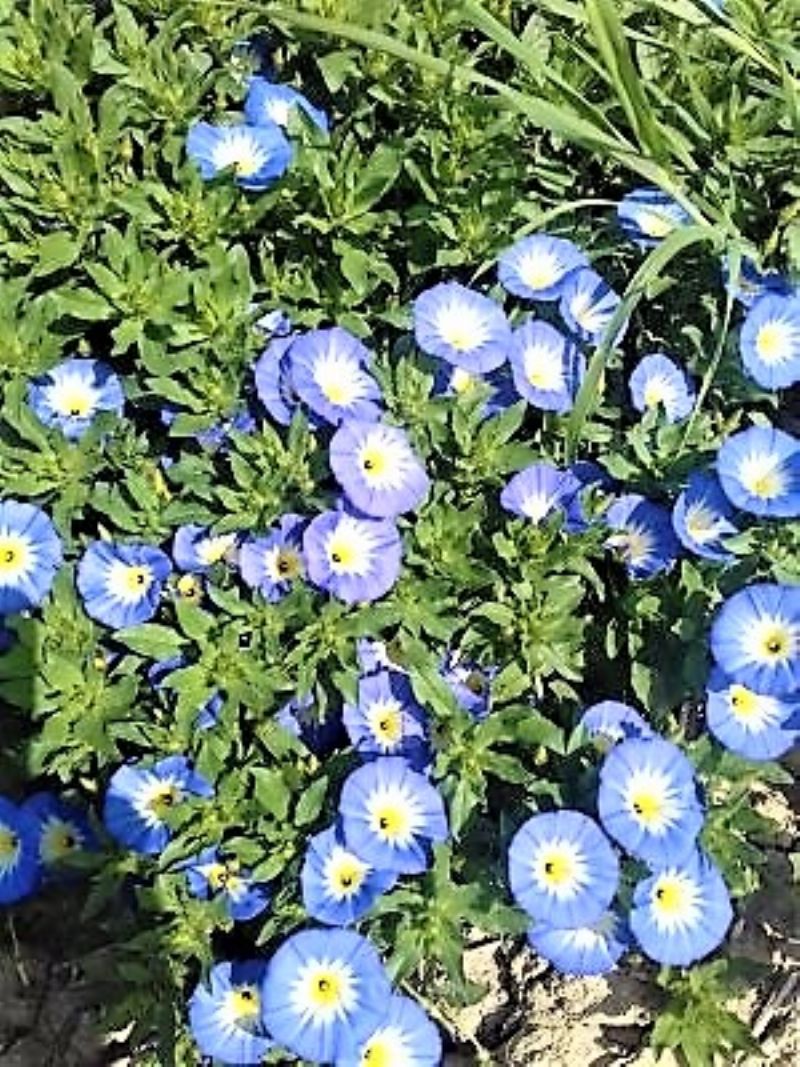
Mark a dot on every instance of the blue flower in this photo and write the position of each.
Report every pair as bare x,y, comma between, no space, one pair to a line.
753,725
463,327
269,103
455,381
71,394
20,870
588,304
63,831
374,656
272,564
648,215
338,886
354,558
196,549
655,381
614,721
755,638
391,815
256,154
273,380
582,950
209,875
469,683
538,491
647,800
682,912
329,374
547,367
753,283
121,584
770,341
138,798
377,468
535,267
590,476
30,555
562,869
275,323
387,720
226,1014
701,517
321,732
644,538
759,469
325,990
405,1038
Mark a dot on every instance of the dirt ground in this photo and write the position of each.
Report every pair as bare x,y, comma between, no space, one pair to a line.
529,1017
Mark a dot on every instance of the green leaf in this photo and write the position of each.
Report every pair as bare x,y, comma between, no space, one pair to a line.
151,639
310,803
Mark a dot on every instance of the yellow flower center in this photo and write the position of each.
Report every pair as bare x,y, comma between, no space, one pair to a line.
773,342
387,723
336,392
245,1003
393,821
539,273
647,806
189,586
342,552
9,843
288,564
75,402
744,702
163,798
670,897
378,1054
654,224
461,381
655,392
13,553
223,876
326,989
349,876
559,868
137,579
374,461
776,643
247,164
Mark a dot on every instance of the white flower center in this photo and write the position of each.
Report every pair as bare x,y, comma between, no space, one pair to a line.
651,800
560,868
324,990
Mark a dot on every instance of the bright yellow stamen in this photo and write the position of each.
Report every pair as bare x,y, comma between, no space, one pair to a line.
539,274
461,381
336,393
744,702
189,586
349,875
13,554
342,552
462,338
374,461
378,1054
387,725
558,869
648,806
393,821
76,403
288,564
166,796
137,579
247,165
9,843
654,224
326,989
775,643
654,393
223,876
771,342
245,1003
670,897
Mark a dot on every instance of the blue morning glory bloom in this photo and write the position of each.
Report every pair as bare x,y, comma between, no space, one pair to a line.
71,394
759,469
770,341
320,732
377,468
325,990
275,323
30,555
354,558
338,886
647,800
538,491
613,721
273,380
196,549
588,304
582,950
562,869
682,912
267,102
373,656
63,831
273,563
387,720
391,814
701,517
535,267
329,374
658,382
138,797
209,875
461,326
256,154
226,1014
20,869
455,381
405,1038
648,215
755,638
121,584
548,367
753,725
643,535
469,683
753,283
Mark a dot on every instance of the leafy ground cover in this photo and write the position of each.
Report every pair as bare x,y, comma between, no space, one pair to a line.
400,477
